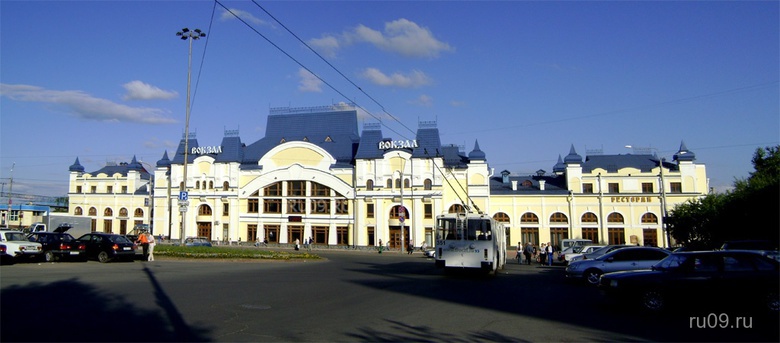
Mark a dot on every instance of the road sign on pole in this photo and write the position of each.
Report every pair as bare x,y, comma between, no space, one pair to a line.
183,196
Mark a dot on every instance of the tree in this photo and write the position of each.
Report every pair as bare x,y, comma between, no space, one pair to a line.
750,211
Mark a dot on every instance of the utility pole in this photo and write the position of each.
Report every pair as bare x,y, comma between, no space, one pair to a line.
10,191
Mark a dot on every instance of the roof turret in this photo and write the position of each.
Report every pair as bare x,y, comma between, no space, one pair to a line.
76,167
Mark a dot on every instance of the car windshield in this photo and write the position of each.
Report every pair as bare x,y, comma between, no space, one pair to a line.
670,262
15,236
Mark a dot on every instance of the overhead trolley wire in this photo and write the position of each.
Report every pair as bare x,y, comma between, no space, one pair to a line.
306,68
333,67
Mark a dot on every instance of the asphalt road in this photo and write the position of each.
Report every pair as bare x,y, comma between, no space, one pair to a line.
348,296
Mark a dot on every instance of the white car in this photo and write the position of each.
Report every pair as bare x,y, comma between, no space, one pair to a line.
429,253
585,250
18,246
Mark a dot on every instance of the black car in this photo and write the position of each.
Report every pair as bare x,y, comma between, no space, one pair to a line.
59,245
700,278
106,247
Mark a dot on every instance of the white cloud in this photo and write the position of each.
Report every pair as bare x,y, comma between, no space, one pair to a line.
137,90
246,16
85,106
414,79
423,100
400,36
308,82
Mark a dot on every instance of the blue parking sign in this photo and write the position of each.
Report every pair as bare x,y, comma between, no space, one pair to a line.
183,196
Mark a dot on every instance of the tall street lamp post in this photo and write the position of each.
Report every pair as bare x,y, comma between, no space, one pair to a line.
186,34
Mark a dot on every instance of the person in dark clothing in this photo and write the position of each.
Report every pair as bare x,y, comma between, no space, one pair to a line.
528,252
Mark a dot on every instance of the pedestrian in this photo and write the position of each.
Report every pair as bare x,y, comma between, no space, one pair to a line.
517,252
528,252
308,246
297,244
543,254
550,252
151,247
381,246
410,248
143,240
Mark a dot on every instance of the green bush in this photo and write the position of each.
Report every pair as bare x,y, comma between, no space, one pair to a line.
229,253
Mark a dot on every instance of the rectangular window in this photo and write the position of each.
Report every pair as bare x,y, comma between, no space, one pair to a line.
296,232
296,188
675,187
587,188
530,234
109,189
369,210
253,205
428,209
226,209
614,187
320,206
616,236
78,189
124,189
272,206
108,225
320,234
296,205
342,206
647,187
650,237
591,233
93,189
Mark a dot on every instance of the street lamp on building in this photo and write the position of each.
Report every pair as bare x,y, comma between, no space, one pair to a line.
664,213
186,34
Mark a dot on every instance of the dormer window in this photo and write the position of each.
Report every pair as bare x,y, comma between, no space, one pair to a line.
328,139
305,139
282,141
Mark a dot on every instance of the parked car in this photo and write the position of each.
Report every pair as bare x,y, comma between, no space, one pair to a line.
579,252
600,251
765,248
59,244
430,253
106,247
18,246
697,278
629,258
4,257
197,242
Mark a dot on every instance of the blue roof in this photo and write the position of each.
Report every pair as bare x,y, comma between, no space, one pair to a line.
613,163
334,130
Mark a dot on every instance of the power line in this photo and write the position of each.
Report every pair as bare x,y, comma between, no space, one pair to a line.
308,69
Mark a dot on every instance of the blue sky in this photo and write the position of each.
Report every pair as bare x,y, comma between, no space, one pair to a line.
107,80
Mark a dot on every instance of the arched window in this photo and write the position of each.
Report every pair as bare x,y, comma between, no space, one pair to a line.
615,218
123,212
204,210
589,217
529,218
181,186
211,184
197,184
527,183
407,183
370,185
501,217
427,184
139,213
225,186
649,218
78,211
394,212
457,208
108,212
559,218
92,211
397,183
389,183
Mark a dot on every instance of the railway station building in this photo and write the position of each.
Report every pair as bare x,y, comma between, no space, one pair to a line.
317,175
